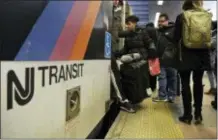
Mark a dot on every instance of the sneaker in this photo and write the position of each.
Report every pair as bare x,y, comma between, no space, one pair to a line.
159,99
149,92
214,105
127,107
171,100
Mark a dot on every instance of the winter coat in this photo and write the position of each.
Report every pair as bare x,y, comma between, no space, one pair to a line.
166,46
138,41
189,59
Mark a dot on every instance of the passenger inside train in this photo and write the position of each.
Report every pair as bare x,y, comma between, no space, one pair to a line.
143,69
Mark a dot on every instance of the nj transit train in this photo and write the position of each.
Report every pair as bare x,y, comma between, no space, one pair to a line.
55,56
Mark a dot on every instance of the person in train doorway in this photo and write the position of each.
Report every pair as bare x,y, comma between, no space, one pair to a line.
214,52
137,40
152,79
166,52
117,85
194,55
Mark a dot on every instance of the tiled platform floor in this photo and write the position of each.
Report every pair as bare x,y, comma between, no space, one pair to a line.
160,120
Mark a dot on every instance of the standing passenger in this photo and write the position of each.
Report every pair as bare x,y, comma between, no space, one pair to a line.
192,60
166,52
153,34
137,40
213,57
214,44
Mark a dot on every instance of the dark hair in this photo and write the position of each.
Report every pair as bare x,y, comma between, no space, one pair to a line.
150,24
164,15
132,18
188,4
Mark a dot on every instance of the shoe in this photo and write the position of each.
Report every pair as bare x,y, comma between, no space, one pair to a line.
159,99
126,106
214,105
198,119
186,119
171,100
178,94
149,92
211,91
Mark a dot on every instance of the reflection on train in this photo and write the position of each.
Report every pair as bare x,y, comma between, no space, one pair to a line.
108,69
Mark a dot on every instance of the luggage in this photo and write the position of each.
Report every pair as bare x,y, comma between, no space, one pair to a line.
197,28
134,77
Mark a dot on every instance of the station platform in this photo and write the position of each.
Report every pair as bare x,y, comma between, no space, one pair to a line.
160,120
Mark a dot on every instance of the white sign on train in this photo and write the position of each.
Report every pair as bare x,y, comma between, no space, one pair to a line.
34,96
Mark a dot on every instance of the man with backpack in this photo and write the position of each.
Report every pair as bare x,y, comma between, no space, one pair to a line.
193,35
166,53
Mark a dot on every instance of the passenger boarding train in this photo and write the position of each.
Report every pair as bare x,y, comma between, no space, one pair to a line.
55,65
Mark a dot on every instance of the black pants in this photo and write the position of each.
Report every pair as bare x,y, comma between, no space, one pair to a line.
116,81
197,91
153,82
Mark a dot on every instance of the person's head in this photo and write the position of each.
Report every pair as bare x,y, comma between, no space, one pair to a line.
163,20
191,4
150,25
131,22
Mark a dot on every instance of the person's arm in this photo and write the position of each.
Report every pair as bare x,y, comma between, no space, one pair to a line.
149,44
178,29
152,32
124,34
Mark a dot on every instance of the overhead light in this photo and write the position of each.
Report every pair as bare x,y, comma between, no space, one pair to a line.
156,19
160,2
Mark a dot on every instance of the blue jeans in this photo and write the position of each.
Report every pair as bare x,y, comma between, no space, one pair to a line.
212,79
167,83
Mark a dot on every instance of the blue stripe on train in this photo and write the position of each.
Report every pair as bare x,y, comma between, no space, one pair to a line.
42,39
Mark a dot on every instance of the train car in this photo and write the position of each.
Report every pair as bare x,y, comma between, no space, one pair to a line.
55,80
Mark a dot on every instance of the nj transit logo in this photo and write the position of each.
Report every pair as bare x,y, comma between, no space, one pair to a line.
16,92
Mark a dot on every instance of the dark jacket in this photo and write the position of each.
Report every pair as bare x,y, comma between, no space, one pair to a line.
166,46
139,42
213,52
152,32
190,59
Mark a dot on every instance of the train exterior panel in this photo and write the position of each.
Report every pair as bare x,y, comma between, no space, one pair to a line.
56,81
